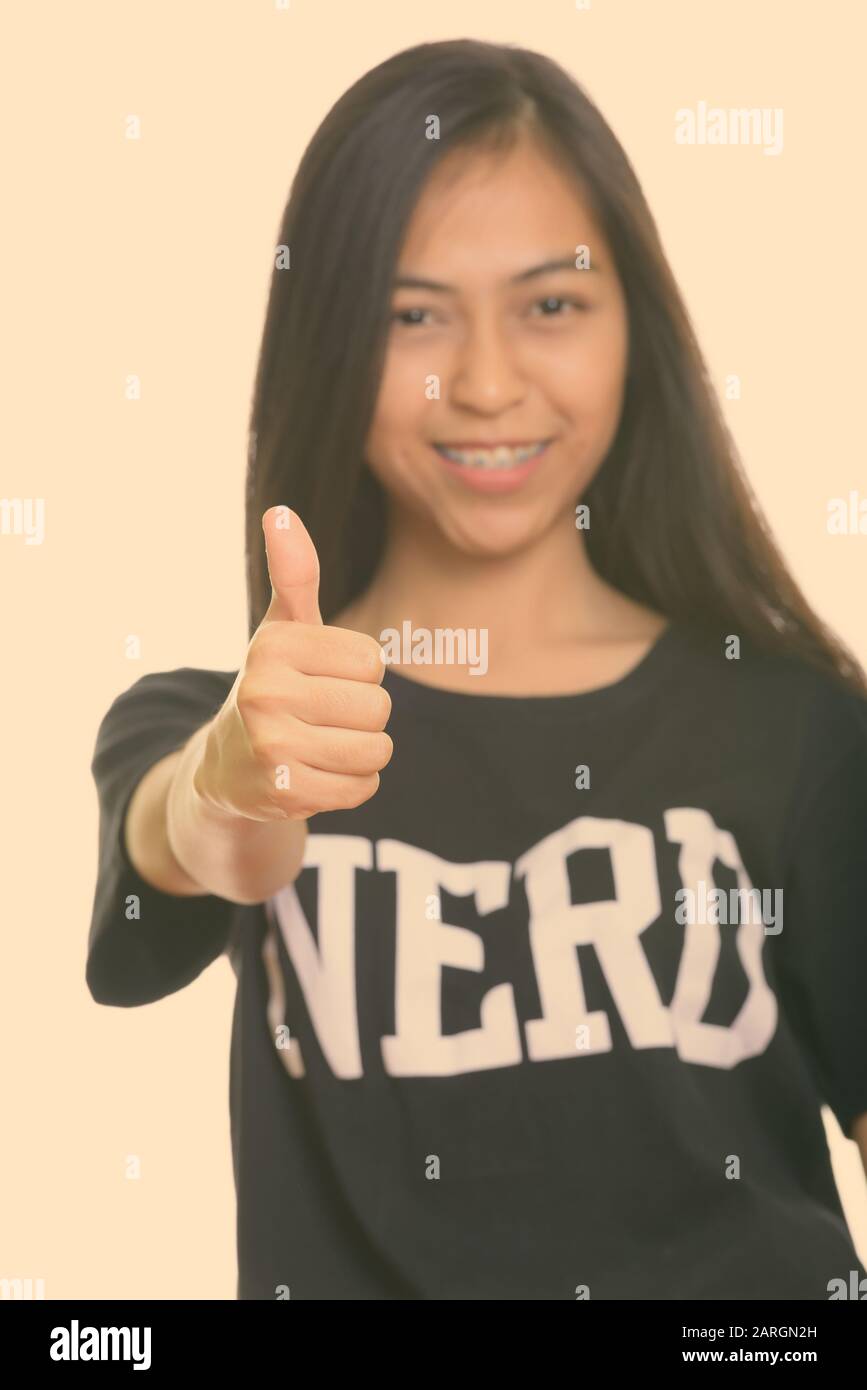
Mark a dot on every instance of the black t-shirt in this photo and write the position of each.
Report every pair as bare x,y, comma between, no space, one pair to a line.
486,1046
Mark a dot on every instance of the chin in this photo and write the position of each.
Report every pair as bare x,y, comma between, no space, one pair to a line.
489,535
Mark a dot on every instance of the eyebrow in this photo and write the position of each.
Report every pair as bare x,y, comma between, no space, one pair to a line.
414,282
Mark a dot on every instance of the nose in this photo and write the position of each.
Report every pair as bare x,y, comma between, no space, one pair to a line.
485,376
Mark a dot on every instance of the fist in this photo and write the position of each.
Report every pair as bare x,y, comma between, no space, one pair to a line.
302,729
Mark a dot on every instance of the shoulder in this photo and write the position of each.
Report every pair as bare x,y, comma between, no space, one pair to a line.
185,686
745,677
777,712
775,716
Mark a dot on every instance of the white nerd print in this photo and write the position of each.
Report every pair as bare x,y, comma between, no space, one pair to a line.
613,927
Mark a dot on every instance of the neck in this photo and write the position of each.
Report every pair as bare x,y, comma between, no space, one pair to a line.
544,595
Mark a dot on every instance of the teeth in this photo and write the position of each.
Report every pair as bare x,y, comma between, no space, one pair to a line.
500,458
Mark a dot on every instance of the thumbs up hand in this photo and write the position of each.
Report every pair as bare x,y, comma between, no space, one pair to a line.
302,729
293,568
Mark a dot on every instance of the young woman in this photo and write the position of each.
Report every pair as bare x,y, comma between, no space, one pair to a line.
506,1026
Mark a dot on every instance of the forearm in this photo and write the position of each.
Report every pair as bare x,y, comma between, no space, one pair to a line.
859,1134
146,835
183,845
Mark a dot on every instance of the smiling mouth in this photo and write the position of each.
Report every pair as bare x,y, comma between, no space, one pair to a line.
501,459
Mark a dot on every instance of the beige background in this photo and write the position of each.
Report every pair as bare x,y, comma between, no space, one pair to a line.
153,257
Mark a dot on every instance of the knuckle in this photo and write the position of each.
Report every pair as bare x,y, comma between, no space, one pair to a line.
385,748
370,659
255,703
269,756
275,643
336,703
382,707
278,807
261,645
362,790
248,698
332,751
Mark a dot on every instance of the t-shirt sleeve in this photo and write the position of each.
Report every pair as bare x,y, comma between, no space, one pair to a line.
143,943
822,948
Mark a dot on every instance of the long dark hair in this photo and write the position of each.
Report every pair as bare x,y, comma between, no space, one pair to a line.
674,523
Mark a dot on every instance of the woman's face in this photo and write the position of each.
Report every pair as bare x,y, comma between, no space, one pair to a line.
494,352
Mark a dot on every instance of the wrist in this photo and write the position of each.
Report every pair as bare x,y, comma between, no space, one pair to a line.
189,808
193,783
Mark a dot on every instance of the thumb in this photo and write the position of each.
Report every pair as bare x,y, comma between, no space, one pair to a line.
293,568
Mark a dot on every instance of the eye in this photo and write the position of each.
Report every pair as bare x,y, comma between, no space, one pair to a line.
406,317
552,305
